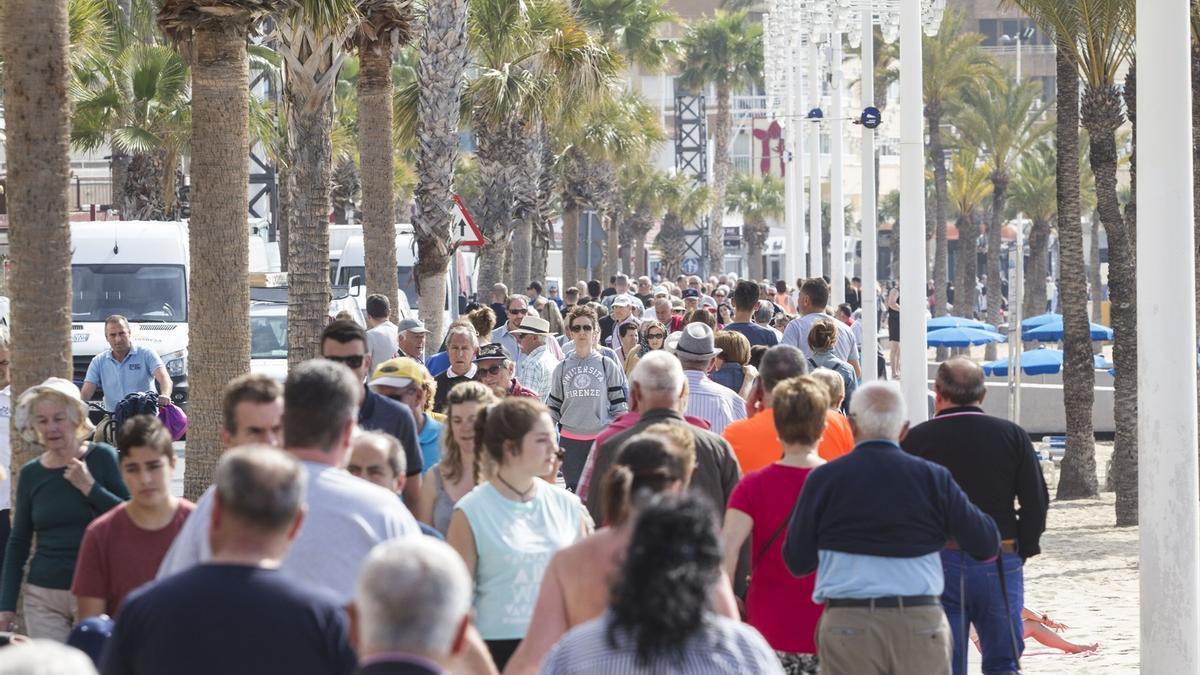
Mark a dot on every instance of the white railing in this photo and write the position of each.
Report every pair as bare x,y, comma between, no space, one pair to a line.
1026,50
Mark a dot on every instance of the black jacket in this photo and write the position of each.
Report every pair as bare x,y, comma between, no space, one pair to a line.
993,461
716,467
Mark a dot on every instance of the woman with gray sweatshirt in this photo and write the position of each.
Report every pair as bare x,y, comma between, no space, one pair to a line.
587,392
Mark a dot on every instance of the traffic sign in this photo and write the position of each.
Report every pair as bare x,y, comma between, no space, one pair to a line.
690,266
462,226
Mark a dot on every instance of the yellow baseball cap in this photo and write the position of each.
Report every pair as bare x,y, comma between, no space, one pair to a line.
399,372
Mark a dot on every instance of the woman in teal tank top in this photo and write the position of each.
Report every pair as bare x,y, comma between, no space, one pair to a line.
507,529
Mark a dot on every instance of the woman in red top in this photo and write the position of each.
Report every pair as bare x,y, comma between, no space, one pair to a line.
779,605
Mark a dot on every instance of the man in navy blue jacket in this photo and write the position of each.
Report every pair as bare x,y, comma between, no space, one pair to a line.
872,525
993,461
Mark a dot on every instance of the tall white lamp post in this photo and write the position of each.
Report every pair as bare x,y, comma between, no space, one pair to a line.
1167,435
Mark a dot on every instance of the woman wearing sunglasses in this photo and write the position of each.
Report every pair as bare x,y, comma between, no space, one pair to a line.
587,391
654,336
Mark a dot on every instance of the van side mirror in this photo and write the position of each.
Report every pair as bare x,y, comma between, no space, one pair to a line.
355,284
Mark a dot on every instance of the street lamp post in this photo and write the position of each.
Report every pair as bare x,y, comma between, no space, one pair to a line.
814,169
1023,35
837,198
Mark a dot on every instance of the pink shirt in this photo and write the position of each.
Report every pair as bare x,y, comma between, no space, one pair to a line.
778,604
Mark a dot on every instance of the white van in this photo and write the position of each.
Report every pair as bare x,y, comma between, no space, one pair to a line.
460,278
140,270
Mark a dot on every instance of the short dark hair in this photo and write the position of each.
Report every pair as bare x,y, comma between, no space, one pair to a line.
537,286
248,388
960,381
780,363
745,296
378,306
344,332
261,487
817,292
143,431
319,399
570,293
844,308
594,288
626,327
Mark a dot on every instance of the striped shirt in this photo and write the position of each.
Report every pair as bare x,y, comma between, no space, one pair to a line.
723,646
710,401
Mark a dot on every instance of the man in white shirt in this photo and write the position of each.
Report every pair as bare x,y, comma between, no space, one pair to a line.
383,336
346,516
537,361
814,296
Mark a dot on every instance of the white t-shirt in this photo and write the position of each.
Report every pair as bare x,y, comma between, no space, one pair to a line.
346,518
383,341
5,448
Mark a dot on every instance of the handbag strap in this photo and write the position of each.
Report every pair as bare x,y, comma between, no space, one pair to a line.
767,546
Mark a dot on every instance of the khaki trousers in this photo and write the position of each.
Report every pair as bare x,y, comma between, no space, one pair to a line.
865,641
49,613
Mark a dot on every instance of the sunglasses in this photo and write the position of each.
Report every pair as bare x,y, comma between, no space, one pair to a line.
518,311
354,362
585,327
491,371
655,336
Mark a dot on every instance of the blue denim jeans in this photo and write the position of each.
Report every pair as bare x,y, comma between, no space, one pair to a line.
972,596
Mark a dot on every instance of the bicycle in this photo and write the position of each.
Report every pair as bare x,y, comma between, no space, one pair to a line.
104,433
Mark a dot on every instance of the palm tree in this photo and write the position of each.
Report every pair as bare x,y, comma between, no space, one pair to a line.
967,186
640,186
723,50
532,64
757,199
219,345
953,63
1032,193
1097,38
684,202
384,24
37,109
443,60
312,36
1002,121
139,102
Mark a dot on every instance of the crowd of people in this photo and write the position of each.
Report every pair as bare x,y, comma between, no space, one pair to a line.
683,477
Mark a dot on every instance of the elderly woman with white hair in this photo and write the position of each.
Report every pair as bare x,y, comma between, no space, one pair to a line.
59,493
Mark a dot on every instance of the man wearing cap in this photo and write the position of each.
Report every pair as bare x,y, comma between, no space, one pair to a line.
382,334
706,399
621,286
691,299
412,334
537,361
408,383
622,313
516,308
497,371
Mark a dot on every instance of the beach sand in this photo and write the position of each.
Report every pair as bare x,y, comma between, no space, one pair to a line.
1087,578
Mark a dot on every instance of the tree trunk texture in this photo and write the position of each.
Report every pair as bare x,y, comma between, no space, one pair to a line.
143,187
287,189
612,258
574,196
722,168
378,171
639,254
345,190
964,283
37,112
1077,475
526,205
941,258
443,48
755,235
495,156
672,245
543,231
1035,269
994,295
308,240
118,174
1093,272
570,238
1124,321
219,342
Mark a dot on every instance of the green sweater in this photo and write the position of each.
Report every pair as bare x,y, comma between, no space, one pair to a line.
50,507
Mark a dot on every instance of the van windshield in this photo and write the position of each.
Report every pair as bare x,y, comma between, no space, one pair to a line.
268,337
406,275
137,292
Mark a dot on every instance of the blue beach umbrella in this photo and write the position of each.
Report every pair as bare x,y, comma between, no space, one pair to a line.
956,322
1040,319
1039,362
961,337
1052,331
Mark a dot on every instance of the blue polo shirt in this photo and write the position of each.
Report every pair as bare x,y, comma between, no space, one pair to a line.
119,379
430,439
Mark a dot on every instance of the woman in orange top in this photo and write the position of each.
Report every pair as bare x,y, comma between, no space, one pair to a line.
837,428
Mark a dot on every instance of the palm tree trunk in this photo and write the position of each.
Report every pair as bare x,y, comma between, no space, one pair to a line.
118,174
143,188
671,245
543,230
1035,269
964,284
755,235
219,342
378,170
1094,271
38,113
1077,478
527,177
286,186
443,60
308,241
937,155
1125,448
722,167
999,196
612,258
639,253
570,239
497,209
